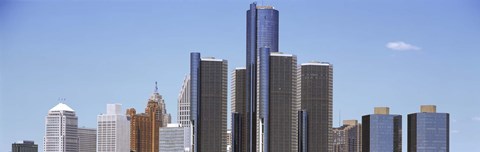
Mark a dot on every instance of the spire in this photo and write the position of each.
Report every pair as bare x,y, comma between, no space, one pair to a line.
156,87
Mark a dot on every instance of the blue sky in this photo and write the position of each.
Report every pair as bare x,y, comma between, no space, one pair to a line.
398,53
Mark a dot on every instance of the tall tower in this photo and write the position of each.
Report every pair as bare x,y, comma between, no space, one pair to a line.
382,131
316,100
208,98
262,32
144,127
183,109
428,130
239,117
279,101
113,130
61,126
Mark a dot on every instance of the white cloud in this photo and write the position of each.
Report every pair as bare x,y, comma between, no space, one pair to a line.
401,46
455,131
477,118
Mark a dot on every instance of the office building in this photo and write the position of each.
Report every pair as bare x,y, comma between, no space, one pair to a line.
113,130
316,83
348,137
428,130
87,139
183,109
262,32
61,126
239,121
208,96
382,131
24,146
144,127
174,138
279,103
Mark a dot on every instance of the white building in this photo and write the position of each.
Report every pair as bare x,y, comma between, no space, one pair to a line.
174,138
113,130
183,115
61,130
87,139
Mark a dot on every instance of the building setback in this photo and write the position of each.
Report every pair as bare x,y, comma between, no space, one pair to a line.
87,139
208,103
316,83
113,130
24,146
428,130
348,137
144,127
382,131
61,125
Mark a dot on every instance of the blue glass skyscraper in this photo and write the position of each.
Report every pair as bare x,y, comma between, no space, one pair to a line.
262,32
428,130
382,132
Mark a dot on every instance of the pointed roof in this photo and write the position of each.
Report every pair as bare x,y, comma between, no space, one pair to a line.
61,107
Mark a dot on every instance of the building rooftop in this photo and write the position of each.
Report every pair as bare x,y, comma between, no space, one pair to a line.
61,107
317,63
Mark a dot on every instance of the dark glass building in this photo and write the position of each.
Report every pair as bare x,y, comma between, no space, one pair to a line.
316,100
239,121
278,93
24,146
208,103
428,131
262,32
381,131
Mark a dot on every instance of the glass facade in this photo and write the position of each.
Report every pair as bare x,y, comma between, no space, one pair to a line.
428,132
262,32
316,99
382,133
194,93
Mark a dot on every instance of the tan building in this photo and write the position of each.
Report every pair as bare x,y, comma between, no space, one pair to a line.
144,127
348,137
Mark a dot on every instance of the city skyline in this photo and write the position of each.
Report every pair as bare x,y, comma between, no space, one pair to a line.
402,78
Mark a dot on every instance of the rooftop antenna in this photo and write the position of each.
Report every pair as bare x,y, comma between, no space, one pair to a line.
156,87
339,117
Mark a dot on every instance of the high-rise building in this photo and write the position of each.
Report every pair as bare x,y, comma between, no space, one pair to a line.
348,137
144,127
61,126
174,138
239,121
428,130
262,32
183,109
24,146
316,83
208,96
229,138
162,114
87,139
113,130
278,95
382,131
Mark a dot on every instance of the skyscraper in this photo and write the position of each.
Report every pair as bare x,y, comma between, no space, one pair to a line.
24,146
239,121
87,139
113,130
279,106
316,100
428,130
382,131
262,32
144,127
183,109
208,98
162,114
61,126
348,137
